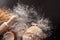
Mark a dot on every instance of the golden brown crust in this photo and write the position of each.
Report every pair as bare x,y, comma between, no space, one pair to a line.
4,15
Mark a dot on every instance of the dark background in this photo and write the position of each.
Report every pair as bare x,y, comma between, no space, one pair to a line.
49,7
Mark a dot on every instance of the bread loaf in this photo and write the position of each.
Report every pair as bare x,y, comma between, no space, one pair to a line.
33,33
